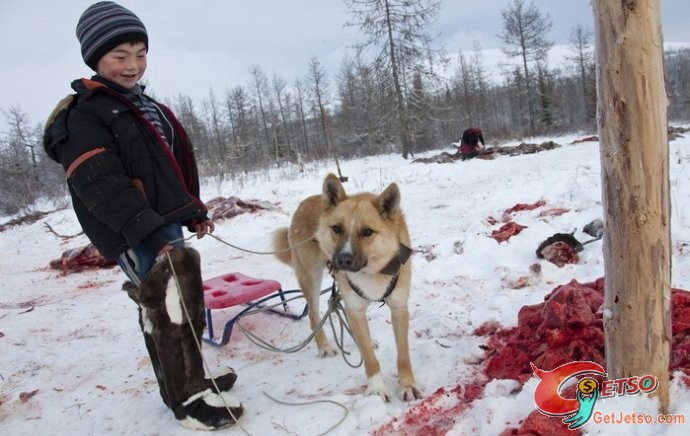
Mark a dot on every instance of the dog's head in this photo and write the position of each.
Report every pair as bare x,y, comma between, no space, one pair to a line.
473,136
363,232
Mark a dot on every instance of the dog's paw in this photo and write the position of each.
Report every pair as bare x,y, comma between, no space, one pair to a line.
328,351
409,393
377,386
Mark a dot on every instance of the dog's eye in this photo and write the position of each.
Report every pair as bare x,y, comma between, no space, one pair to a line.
366,232
337,229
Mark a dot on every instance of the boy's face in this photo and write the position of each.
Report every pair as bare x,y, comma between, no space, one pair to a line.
124,65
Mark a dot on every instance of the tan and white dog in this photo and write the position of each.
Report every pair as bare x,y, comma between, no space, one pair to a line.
365,240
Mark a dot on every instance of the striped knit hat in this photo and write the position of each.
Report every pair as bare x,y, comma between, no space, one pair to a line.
105,25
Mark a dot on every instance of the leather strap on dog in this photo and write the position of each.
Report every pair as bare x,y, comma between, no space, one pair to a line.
389,289
398,261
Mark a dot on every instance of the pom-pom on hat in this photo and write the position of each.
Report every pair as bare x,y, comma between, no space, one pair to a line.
105,25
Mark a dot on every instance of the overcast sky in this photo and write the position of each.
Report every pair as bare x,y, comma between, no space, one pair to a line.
203,44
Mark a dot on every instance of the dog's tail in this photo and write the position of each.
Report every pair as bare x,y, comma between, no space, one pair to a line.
281,245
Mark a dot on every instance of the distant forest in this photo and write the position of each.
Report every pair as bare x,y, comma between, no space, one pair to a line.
390,102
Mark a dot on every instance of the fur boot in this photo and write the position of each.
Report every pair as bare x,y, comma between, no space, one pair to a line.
172,344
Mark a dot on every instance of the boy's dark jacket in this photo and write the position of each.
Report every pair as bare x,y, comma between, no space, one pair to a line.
124,180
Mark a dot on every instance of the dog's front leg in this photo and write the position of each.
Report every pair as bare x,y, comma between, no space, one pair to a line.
400,317
357,318
310,281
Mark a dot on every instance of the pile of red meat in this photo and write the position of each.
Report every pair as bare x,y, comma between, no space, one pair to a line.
567,327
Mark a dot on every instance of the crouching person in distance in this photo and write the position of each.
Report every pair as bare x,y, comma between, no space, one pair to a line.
133,180
472,144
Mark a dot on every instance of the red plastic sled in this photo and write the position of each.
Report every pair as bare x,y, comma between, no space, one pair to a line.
234,289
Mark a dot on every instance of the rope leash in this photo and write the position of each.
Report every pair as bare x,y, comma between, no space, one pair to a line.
260,342
307,403
334,306
246,250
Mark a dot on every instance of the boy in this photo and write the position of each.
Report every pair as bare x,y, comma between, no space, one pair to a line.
133,180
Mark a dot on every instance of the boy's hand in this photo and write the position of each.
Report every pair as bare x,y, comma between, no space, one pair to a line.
206,226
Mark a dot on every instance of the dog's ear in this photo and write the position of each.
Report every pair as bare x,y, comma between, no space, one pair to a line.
389,201
333,191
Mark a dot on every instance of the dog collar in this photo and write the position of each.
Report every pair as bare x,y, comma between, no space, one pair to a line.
398,261
389,289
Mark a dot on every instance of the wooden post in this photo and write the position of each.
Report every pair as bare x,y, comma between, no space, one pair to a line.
632,123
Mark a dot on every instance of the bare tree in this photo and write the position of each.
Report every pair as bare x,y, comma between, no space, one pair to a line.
301,114
395,28
544,89
230,113
238,111
282,96
260,83
466,84
214,125
186,113
25,174
524,35
582,59
320,92
481,79
420,115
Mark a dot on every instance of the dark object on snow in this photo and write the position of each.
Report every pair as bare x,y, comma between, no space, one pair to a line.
560,253
595,229
172,342
562,248
568,238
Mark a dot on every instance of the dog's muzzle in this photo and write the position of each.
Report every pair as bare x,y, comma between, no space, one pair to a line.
347,262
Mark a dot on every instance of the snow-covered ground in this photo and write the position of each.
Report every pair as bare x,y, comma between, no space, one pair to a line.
72,358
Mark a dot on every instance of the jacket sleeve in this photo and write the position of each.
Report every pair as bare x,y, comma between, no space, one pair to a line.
96,176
